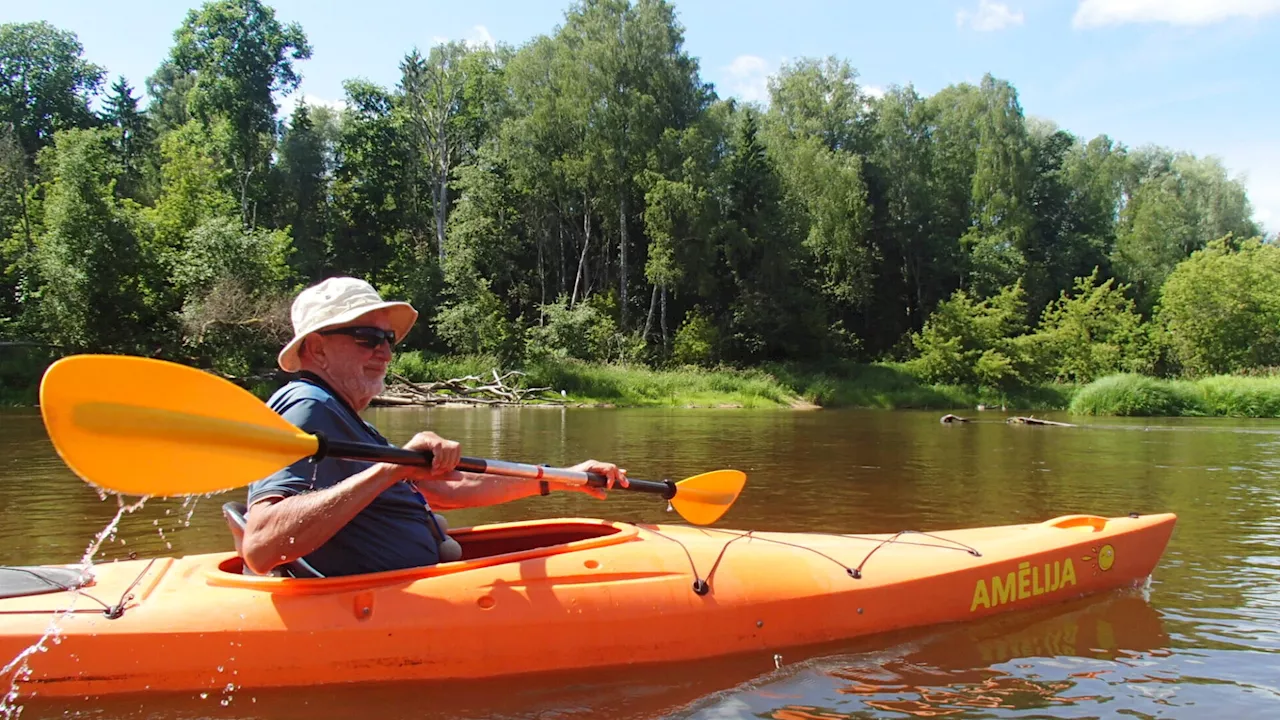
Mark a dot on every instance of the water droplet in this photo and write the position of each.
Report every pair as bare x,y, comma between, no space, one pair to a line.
225,702
204,696
290,541
231,687
219,668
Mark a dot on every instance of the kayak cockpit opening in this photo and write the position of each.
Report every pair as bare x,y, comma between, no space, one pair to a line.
482,546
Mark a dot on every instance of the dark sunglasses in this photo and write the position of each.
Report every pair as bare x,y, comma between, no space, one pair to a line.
366,337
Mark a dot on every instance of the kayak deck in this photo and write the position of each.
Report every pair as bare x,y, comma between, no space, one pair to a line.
557,595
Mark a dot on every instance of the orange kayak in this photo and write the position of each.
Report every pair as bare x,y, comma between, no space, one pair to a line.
551,595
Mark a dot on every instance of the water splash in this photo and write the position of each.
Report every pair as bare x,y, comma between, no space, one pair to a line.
192,501
20,668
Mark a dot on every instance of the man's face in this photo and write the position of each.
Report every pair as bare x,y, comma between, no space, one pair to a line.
357,363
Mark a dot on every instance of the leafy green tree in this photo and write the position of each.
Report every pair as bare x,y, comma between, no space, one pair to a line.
168,88
1095,175
974,342
634,80
914,256
20,220
771,313
829,186
369,185
585,331
540,143
476,323
998,240
134,141
234,283
672,219
99,272
697,342
818,98
240,56
1221,307
1093,331
1180,203
485,261
436,92
192,184
45,84
303,174
953,123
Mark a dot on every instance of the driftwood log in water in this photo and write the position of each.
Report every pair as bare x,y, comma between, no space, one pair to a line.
1036,421
468,390
1019,420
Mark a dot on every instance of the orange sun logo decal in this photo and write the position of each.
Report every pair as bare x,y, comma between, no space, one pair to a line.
1105,556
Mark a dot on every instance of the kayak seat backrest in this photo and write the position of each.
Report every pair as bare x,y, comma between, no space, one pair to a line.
235,513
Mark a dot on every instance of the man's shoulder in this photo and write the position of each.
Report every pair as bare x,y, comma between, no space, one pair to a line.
312,407
298,391
308,406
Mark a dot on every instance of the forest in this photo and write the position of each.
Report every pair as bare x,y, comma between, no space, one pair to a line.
587,197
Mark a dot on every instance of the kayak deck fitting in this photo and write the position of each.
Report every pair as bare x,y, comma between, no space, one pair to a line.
551,595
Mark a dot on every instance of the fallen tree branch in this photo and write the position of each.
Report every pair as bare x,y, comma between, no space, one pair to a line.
1035,421
469,390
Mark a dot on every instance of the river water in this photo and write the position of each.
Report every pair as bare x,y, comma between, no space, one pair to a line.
1202,640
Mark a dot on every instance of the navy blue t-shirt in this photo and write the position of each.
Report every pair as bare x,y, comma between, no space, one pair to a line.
391,532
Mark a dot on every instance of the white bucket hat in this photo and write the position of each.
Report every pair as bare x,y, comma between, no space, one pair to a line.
337,302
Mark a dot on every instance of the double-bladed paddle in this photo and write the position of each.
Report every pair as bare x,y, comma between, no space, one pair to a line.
140,426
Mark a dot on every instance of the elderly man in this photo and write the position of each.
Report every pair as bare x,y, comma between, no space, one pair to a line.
342,516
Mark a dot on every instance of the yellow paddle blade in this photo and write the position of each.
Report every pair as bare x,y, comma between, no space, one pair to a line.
148,427
702,499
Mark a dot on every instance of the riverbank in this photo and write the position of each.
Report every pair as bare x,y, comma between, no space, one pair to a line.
831,385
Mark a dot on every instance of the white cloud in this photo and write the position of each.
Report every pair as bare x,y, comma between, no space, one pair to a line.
479,37
874,91
1098,13
990,16
749,78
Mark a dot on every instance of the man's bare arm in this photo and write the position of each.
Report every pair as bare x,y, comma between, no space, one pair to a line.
283,529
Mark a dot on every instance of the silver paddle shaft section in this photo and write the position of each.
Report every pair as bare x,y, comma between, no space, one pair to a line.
401,456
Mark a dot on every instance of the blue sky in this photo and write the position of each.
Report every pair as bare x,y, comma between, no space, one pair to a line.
1196,75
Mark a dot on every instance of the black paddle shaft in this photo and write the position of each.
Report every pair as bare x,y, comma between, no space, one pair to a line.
401,456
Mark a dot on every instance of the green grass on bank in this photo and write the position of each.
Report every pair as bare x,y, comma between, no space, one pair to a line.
831,385
594,384
1219,395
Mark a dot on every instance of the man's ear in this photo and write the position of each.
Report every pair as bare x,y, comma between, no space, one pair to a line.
312,350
